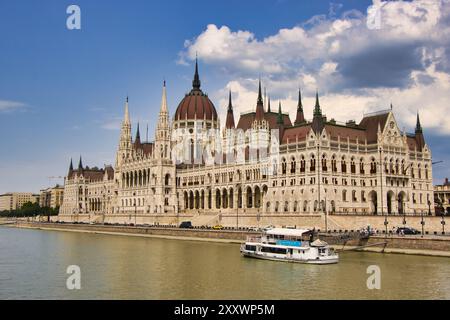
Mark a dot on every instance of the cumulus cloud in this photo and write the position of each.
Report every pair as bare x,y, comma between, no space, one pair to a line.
404,60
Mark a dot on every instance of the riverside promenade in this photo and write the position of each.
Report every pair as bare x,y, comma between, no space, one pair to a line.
429,245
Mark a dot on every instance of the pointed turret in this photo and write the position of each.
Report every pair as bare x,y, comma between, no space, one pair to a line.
420,140
126,118
418,125
162,134
318,123
229,124
125,136
70,166
317,110
280,120
137,140
196,82
259,105
268,104
80,165
300,118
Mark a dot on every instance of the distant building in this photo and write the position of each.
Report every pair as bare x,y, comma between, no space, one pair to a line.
52,197
442,197
15,200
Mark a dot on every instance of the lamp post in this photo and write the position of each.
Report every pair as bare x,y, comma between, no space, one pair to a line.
422,222
135,210
403,211
443,224
381,191
429,207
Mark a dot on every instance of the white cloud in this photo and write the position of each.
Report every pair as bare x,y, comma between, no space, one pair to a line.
9,106
355,69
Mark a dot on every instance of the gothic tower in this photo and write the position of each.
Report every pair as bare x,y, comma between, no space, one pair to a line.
162,134
125,138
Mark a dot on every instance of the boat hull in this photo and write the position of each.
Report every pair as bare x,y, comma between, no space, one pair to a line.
320,260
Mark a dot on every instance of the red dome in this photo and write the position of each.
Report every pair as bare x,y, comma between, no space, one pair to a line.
196,105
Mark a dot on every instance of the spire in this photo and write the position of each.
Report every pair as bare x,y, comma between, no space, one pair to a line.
318,122
70,166
268,104
229,124
420,140
259,105
196,81
317,111
280,115
300,118
80,165
126,118
164,99
137,141
260,99
418,125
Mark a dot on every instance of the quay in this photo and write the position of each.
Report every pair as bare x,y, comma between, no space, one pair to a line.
428,245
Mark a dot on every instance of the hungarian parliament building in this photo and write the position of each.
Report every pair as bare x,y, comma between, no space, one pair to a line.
262,164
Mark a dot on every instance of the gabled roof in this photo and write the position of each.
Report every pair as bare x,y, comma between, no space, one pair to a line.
343,132
299,133
246,120
370,123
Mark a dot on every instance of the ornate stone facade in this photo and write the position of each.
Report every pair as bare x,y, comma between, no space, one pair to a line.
264,164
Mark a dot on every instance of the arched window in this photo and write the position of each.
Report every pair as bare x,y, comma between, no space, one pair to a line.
361,166
302,164
333,164
343,165
312,164
324,163
283,166
167,179
293,165
373,166
344,195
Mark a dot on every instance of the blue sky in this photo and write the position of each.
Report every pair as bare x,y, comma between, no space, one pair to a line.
62,91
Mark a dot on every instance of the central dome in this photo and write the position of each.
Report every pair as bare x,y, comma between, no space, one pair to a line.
196,105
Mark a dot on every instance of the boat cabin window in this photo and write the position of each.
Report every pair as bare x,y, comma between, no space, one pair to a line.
273,250
250,248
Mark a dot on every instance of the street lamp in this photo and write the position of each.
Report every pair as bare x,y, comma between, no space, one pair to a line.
135,208
422,222
386,225
443,224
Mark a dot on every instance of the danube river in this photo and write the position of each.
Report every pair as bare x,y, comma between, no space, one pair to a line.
33,265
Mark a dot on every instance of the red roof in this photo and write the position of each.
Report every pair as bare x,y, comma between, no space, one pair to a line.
246,120
293,134
196,105
370,123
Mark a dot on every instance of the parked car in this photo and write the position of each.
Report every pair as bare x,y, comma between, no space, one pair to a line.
186,225
407,230
268,228
217,227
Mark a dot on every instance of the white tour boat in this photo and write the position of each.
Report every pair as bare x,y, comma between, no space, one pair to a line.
291,245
